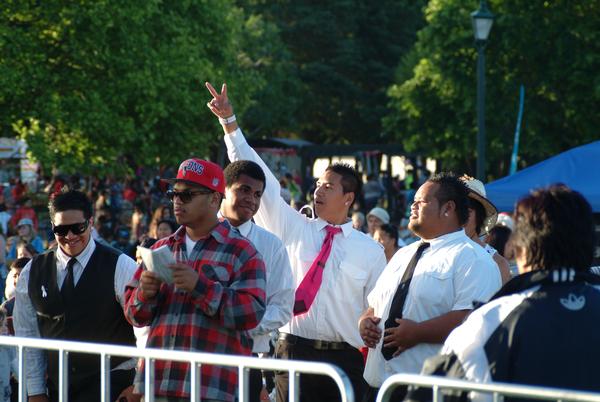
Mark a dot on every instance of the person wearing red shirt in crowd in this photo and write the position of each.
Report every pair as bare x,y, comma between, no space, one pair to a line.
217,292
18,190
24,211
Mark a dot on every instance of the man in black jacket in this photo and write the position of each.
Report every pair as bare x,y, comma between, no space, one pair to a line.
74,292
541,328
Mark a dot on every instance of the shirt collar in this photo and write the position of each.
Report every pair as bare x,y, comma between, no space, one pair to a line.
244,228
346,227
82,258
219,232
442,240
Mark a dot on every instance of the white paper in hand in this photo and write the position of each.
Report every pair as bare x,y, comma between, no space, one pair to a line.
157,261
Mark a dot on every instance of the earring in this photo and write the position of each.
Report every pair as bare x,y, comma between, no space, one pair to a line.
445,213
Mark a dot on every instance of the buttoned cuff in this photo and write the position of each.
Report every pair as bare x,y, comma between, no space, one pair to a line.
207,295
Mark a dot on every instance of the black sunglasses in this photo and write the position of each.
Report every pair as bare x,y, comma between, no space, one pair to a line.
186,195
75,228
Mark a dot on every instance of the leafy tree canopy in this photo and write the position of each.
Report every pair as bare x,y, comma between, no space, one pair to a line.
344,53
551,47
91,84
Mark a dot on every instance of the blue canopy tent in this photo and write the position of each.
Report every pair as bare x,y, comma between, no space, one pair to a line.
578,168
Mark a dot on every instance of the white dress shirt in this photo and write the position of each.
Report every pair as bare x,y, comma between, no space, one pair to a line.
25,317
452,273
350,273
280,284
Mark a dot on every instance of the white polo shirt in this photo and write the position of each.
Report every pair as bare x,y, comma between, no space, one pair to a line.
452,273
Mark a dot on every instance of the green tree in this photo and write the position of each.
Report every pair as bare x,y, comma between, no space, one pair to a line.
549,47
275,103
344,53
91,84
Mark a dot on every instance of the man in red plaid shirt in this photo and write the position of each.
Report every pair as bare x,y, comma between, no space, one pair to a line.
218,290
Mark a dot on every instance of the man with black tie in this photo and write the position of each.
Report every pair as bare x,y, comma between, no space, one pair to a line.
428,288
75,292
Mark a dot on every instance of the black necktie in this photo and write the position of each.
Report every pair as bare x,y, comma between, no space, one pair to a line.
400,296
68,287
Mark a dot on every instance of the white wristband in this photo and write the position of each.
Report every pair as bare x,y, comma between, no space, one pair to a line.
227,120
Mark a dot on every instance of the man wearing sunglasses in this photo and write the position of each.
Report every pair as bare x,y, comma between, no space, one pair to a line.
217,294
75,292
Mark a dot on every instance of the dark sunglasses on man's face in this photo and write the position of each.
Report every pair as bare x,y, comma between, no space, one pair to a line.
186,195
75,228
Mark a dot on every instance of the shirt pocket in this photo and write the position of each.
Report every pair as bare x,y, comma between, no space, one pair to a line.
217,273
434,287
350,281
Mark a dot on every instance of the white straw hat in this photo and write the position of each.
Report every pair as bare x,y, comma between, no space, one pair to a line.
477,192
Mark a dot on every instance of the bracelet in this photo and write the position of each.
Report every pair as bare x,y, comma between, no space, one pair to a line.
227,120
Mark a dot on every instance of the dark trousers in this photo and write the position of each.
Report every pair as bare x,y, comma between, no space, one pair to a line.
255,385
90,390
319,387
398,394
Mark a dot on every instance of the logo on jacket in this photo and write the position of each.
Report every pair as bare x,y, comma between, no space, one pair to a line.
573,302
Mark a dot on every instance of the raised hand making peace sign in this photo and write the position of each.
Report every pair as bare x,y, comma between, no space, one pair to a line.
219,104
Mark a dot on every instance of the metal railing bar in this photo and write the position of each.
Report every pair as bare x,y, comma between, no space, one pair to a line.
528,391
196,385
244,388
294,385
21,352
105,377
149,379
150,355
178,355
63,370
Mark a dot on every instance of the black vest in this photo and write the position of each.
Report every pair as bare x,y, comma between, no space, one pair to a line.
97,315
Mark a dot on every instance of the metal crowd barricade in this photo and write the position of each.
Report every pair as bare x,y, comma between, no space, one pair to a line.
196,359
497,390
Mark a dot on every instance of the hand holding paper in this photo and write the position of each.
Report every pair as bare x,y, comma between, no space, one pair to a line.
184,276
157,261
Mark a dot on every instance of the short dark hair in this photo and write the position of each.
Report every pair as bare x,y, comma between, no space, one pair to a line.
391,230
19,263
68,200
28,246
451,188
555,227
169,222
498,237
234,170
480,214
351,181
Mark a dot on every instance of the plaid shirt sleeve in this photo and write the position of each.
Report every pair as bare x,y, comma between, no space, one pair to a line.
240,305
138,311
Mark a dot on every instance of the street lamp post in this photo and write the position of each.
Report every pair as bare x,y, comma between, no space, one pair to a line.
482,24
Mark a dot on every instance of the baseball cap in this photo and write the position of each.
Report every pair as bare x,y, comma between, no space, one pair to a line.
380,213
25,221
201,173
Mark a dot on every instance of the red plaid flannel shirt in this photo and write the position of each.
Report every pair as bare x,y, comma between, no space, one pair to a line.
228,300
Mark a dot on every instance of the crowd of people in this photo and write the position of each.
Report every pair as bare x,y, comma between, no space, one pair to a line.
453,288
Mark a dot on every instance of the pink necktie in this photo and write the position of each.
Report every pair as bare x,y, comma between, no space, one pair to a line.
307,291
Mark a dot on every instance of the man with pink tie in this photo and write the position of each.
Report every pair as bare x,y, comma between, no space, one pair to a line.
334,267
